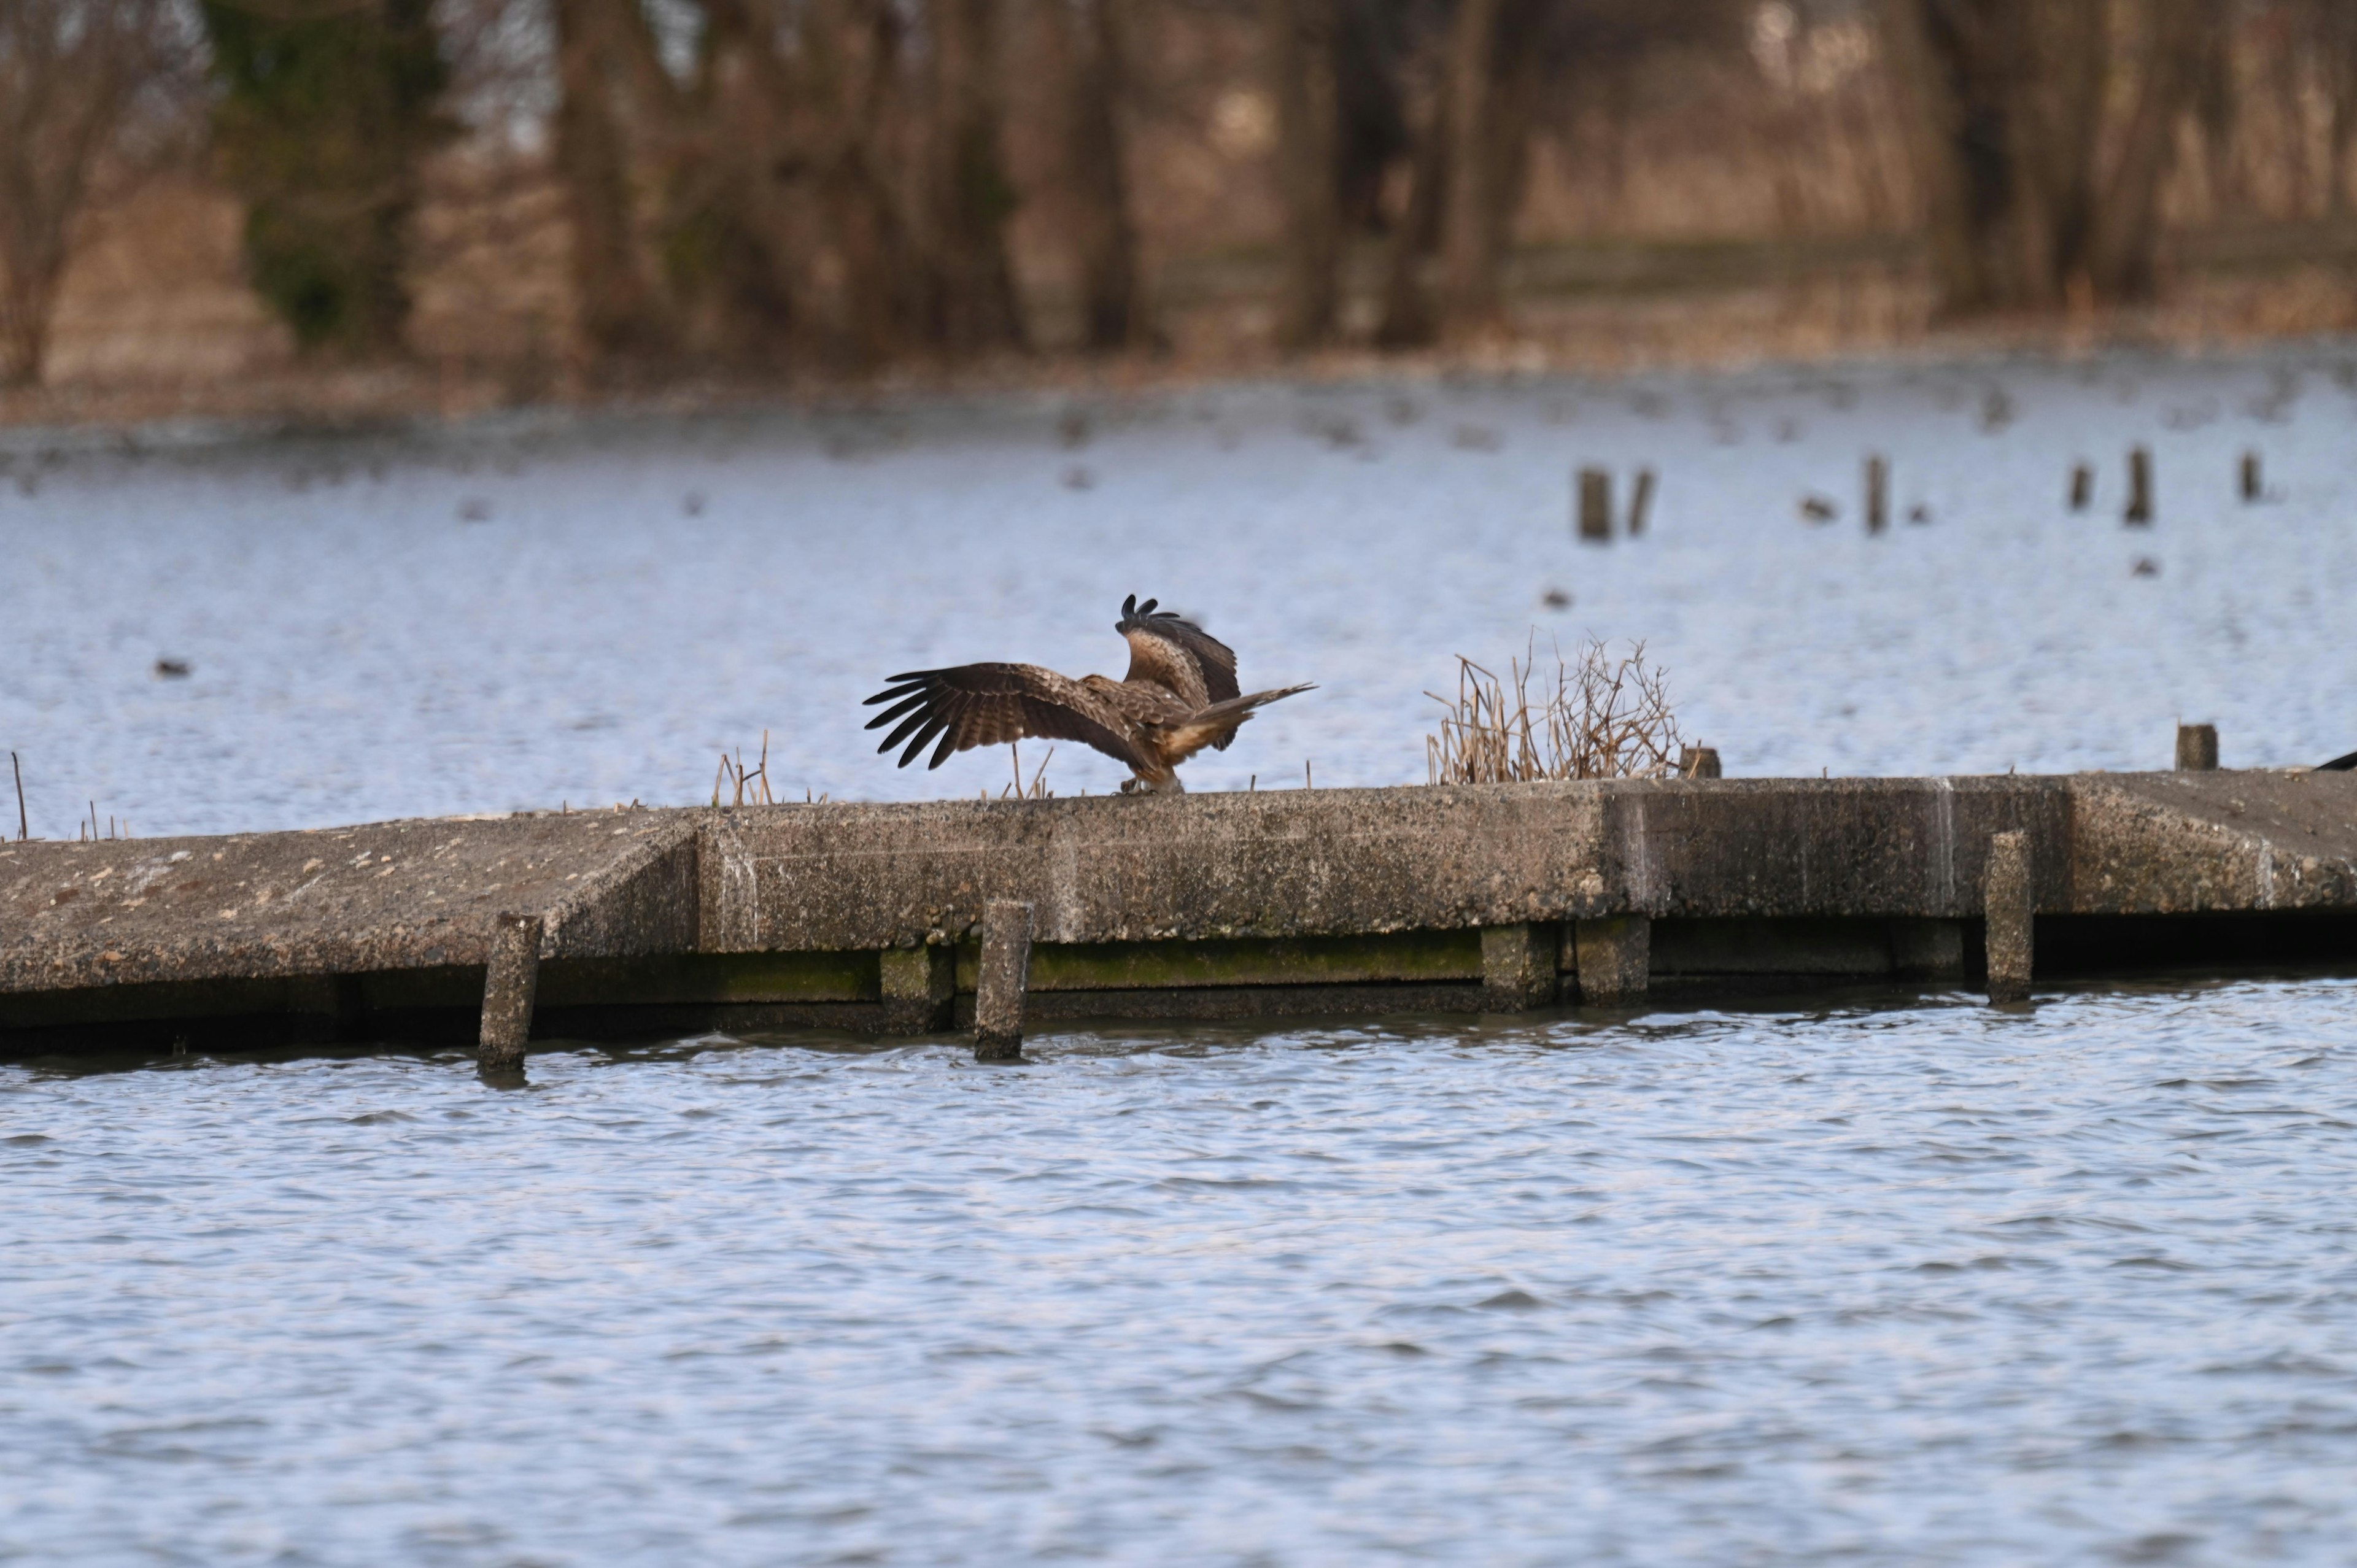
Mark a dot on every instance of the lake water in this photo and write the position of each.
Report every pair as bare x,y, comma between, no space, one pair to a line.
1884,1280
521,617
1880,1278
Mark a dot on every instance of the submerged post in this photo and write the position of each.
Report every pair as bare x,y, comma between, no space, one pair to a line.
1641,502
1615,958
2197,748
1004,973
2010,914
2083,487
2254,487
1518,967
2139,485
919,989
511,984
1878,494
1595,504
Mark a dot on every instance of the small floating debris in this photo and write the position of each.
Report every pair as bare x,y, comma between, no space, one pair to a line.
172,670
2145,567
1817,508
1556,599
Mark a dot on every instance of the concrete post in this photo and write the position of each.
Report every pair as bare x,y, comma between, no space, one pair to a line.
1005,970
1640,503
2011,912
1878,494
2139,485
1518,967
1616,959
2197,748
511,981
919,989
1699,762
1595,504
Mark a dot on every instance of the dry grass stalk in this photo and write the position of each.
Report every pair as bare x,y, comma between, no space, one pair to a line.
1038,788
1605,718
749,785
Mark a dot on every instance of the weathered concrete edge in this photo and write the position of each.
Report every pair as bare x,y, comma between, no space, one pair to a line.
1329,862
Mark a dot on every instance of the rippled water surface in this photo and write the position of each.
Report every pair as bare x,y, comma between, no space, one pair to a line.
1902,1281
514,619
1906,1281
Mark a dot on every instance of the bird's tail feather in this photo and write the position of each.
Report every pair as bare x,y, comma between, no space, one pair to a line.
1216,725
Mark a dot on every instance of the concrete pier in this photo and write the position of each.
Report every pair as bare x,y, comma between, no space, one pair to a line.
1520,966
866,919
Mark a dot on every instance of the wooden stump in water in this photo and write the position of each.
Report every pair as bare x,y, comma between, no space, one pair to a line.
2139,485
1641,502
1004,975
2011,912
510,986
1878,494
1595,504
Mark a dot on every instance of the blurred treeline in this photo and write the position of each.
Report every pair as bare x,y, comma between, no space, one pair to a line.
631,188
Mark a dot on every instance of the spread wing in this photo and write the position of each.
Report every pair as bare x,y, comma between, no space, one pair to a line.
1176,654
988,705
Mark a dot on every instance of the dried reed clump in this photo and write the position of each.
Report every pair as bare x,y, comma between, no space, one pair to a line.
1605,718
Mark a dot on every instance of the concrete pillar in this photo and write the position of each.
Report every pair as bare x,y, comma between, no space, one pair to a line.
2139,485
1595,504
2197,748
511,981
1640,503
1699,762
1615,958
1005,970
919,989
2011,911
1518,967
1928,950
1878,494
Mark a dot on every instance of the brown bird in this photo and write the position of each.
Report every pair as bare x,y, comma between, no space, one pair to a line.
1178,697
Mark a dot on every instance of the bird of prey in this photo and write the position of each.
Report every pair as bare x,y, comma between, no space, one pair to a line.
1179,697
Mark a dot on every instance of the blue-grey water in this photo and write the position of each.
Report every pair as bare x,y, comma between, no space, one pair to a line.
1883,1279
1891,1282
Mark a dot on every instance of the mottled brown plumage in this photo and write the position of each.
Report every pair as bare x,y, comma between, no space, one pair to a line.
1179,697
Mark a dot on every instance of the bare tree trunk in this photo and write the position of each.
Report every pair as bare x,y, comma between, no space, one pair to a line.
853,47
1469,249
67,71
1407,319
2123,250
1086,36
976,307
1302,48
2010,126
602,49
